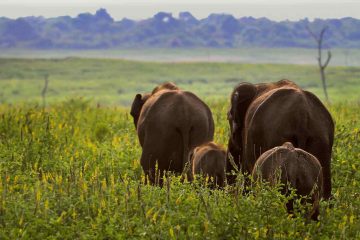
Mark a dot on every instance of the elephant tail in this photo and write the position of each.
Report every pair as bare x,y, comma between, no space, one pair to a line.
186,164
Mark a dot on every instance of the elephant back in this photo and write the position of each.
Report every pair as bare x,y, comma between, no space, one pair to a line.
171,124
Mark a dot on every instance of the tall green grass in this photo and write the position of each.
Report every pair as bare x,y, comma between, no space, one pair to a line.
71,171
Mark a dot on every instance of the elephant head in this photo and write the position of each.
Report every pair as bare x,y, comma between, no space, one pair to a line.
140,100
241,98
137,105
165,86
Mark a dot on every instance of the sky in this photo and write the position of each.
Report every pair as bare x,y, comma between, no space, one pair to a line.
141,9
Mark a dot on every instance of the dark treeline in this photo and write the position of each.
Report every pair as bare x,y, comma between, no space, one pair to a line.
101,31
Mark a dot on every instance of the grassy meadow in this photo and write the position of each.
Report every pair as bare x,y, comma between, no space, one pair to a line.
71,170
115,82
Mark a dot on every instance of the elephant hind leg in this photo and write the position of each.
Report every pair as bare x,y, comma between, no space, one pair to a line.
327,180
323,153
220,180
290,206
148,165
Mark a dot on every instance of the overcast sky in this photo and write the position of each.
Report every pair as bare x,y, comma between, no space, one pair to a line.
140,9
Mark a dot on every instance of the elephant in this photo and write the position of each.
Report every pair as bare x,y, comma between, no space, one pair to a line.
209,159
169,122
297,169
265,115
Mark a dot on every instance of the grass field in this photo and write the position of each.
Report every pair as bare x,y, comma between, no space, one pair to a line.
71,170
115,82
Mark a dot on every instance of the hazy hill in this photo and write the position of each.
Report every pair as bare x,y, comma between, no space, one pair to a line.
100,31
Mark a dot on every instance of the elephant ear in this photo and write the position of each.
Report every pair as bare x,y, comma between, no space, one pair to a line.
136,108
241,99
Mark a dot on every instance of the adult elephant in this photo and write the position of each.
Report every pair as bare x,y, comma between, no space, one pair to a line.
170,123
266,115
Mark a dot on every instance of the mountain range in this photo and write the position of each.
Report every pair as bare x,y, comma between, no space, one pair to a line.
163,30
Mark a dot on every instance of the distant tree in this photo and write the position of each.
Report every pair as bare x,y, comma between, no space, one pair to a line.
322,65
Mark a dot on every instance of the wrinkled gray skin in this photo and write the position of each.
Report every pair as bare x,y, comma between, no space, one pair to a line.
209,160
266,115
170,123
293,167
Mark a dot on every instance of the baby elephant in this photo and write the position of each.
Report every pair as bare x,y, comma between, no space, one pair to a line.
297,168
209,160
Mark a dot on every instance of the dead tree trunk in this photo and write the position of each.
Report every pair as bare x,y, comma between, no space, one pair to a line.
322,66
44,90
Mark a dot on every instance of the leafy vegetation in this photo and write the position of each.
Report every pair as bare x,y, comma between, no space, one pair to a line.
71,171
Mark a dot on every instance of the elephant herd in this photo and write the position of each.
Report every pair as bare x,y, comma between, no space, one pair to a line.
278,132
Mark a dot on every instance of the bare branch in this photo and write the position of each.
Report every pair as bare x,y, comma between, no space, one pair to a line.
312,34
322,32
328,59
